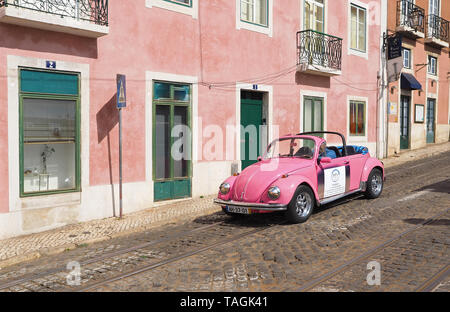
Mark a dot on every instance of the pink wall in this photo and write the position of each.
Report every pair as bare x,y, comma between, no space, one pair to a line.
4,194
159,40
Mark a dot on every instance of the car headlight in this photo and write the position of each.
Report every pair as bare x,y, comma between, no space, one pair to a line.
274,192
225,188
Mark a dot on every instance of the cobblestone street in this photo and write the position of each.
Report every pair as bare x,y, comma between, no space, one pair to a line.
406,232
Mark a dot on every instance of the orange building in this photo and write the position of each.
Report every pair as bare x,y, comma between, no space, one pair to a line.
418,103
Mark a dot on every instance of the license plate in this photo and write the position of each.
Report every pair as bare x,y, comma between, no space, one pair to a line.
240,210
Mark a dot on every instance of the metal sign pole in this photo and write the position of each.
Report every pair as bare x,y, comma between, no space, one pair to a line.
121,103
120,162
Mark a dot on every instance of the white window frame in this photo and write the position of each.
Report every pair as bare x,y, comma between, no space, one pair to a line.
365,7
431,5
263,29
358,138
324,8
409,65
253,3
432,72
317,94
175,7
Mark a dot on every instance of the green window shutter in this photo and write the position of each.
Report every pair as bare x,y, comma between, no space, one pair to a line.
32,81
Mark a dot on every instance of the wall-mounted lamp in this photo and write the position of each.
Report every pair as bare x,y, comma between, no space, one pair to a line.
433,82
417,18
393,88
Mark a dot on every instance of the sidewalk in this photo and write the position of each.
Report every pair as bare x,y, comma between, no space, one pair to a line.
28,247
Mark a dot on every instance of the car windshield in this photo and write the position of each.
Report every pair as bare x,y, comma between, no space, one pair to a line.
292,147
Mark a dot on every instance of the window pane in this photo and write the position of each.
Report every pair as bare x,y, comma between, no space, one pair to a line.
317,115
247,10
354,28
319,18
362,30
406,58
180,149
162,91
308,13
49,167
49,136
181,93
261,12
48,120
361,117
308,116
162,135
352,118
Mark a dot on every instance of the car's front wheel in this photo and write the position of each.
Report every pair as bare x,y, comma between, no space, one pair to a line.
301,206
374,185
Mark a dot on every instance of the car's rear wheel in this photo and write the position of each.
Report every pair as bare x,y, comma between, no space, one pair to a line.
374,185
301,206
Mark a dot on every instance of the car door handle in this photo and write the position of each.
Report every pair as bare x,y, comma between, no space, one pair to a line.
346,162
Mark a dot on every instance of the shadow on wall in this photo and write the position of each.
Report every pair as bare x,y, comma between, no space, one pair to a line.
107,119
312,80
25,38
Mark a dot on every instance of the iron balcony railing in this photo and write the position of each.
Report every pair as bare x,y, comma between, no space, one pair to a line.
316,48
410,15
94,11
437,27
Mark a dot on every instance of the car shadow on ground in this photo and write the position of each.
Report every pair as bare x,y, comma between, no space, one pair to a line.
251,221
440,187
267,219
417,221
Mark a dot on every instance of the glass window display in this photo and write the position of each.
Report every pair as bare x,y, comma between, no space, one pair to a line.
49,149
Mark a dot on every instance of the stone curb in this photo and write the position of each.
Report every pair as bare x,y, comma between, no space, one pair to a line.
186,216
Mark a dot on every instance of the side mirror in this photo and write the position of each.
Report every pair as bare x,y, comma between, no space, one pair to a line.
325,160
259,158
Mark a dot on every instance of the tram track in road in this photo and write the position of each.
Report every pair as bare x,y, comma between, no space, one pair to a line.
422,162
57,275
164,262
183,235
102,257
194,237
173,259
314,283
435,280
183,256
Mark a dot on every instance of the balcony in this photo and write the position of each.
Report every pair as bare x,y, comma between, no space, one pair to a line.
437,31
318,53
410,20
87,18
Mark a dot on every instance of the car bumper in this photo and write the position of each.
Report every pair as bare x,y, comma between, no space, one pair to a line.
255,206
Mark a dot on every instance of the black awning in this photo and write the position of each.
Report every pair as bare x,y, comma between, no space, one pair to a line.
409,82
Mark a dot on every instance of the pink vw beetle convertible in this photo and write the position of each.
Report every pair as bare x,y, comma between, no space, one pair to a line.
300,172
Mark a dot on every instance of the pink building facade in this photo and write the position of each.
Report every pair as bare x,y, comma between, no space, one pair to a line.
292,66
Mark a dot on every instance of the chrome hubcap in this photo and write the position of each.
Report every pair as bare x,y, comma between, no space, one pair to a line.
377,183
303,204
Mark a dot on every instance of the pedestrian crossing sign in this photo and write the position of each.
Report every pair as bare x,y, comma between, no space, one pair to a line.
121,91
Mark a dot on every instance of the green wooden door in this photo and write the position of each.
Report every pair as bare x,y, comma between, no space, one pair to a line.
431,107
404,121
251,120
171,141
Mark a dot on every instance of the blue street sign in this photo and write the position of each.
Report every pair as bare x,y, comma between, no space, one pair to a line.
50,64
121,91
